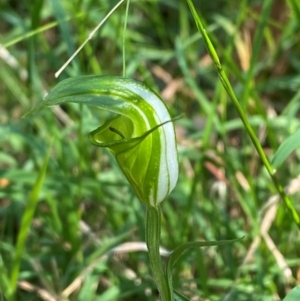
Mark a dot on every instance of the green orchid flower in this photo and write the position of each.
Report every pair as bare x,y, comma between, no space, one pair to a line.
141,136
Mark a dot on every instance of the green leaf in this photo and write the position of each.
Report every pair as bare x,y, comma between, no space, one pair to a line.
293,295
25,225
4,279
285,149
179,297
178,252
140,136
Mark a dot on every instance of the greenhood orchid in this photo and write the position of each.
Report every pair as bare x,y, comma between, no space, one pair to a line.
141,135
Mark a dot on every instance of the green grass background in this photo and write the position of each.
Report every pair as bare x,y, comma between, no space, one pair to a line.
66,210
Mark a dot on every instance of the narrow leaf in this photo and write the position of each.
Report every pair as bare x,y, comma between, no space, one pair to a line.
178,252
286,148
293,295
179,297
25,225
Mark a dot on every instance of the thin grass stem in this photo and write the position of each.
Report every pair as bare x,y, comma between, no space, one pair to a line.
87,39
124,37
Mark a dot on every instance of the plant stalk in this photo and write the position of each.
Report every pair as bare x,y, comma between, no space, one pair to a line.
153,226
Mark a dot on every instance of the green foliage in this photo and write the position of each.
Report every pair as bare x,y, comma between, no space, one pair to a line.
24,227
86,209
286,148
293,295
179,251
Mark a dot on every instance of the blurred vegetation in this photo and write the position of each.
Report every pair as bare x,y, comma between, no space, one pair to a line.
84,210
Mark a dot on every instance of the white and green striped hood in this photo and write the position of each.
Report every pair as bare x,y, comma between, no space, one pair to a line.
141,136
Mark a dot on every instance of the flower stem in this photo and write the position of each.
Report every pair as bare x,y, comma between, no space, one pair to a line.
153,226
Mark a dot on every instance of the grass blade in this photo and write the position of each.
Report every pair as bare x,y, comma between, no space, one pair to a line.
24,228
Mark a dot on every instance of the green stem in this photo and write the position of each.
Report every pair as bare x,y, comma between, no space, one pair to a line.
153,226
226,84
124,38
